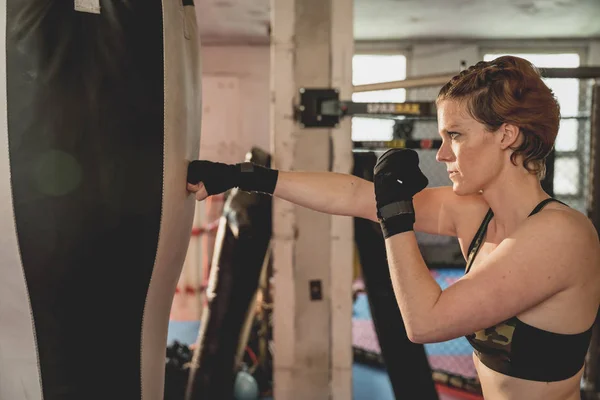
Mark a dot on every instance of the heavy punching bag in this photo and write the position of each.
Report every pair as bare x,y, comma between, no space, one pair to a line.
406,362
99,119
241,251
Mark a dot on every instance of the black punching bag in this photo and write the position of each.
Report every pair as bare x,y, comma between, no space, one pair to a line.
241,249
406,362
101,114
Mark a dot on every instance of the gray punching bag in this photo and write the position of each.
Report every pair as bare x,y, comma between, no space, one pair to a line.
99,119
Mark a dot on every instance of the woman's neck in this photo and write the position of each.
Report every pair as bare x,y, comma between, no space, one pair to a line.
512,197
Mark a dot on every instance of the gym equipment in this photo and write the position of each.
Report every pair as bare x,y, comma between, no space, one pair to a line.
320,108
242,241
406,362
177,370
245,387
101,115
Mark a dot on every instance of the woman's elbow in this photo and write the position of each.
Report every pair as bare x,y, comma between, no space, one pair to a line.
423,335
417,338
414,335
428,337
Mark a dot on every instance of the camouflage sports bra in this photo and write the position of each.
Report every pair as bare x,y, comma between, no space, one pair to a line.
523,351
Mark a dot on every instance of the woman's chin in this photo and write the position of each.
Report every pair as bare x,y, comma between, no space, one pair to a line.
462,190
457,190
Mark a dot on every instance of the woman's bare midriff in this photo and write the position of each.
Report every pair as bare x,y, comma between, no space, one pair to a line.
497,386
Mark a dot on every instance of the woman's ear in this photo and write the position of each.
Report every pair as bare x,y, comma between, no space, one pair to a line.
509,136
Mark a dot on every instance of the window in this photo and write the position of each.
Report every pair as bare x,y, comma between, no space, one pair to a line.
376,68
569,157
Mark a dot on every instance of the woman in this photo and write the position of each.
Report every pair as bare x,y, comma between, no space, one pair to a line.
531,290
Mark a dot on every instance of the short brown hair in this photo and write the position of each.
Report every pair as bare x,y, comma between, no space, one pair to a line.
510,90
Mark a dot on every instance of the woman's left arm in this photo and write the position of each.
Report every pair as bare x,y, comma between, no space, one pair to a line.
536,262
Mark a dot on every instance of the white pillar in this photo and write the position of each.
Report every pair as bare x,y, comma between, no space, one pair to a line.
311,47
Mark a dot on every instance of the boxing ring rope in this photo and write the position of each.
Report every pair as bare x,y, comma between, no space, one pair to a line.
194,276
208,228
410,83
441,79
198,232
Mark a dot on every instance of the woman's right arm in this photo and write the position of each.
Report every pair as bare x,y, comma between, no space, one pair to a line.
437,210
330,193
343,194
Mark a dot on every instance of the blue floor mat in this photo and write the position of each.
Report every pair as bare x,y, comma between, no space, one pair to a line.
184,332
458,346
368,383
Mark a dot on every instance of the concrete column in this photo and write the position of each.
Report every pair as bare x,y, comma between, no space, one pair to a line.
311,46
594,53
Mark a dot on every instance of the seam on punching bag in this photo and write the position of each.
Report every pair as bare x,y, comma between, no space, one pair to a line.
6,128
88,6
186,30
144,395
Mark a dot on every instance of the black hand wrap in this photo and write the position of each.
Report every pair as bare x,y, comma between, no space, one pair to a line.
219,177
397,179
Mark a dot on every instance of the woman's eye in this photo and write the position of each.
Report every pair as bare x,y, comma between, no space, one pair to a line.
453,135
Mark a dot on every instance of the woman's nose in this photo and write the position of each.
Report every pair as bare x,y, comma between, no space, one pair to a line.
445,153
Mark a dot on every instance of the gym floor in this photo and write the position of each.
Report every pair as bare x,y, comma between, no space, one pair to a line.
371,383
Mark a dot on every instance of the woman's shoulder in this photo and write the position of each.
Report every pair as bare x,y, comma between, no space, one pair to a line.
559,216
566,244
567,228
